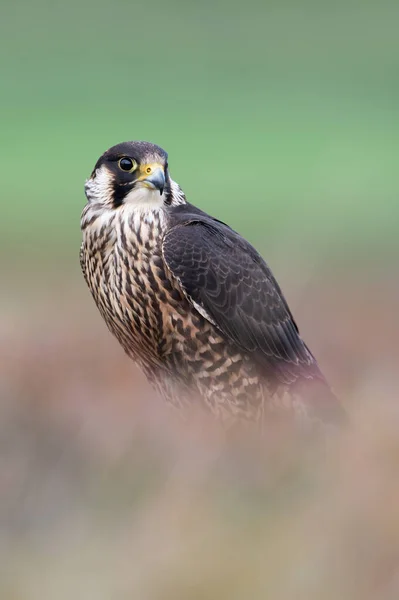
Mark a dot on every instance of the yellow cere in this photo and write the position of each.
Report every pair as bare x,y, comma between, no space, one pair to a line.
149,168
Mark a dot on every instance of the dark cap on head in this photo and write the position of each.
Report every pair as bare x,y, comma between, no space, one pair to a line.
140,151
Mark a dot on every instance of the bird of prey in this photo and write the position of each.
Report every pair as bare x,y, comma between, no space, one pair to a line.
189,299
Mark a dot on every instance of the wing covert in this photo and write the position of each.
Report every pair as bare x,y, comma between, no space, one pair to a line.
230,283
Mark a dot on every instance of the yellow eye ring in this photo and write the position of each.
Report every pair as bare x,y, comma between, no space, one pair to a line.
126,164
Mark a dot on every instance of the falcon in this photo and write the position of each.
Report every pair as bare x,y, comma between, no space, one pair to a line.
190,300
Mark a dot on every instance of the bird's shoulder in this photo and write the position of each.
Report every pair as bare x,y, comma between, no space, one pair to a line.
204,229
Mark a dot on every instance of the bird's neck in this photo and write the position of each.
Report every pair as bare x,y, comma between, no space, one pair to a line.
128,224
98,215
146,225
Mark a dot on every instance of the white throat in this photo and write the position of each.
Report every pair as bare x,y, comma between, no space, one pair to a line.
144,198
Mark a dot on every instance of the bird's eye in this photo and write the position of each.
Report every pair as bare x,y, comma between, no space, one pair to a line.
127,164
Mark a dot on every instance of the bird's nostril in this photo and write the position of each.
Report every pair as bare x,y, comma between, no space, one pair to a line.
148,170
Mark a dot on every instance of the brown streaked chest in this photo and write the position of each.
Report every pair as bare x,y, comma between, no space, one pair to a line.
123,265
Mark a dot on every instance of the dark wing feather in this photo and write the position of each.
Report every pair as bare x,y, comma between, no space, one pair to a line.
230,283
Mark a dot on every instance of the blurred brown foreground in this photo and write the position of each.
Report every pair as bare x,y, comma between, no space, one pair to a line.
107,495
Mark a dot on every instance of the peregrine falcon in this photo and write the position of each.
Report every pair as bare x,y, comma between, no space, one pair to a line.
189,299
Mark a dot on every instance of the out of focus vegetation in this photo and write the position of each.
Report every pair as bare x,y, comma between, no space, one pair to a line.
282,119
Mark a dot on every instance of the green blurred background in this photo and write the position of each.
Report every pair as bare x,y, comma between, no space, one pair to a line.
282,119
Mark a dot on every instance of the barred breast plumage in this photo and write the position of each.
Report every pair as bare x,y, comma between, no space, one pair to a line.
148,313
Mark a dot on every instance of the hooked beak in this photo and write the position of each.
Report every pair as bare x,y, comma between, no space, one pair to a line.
153,177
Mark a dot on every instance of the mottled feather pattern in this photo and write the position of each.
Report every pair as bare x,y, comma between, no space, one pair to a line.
228,279
194,304
149,314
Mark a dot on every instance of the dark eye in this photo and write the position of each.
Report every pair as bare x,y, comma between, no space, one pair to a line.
127,164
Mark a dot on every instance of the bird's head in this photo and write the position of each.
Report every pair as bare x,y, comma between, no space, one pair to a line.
134,173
